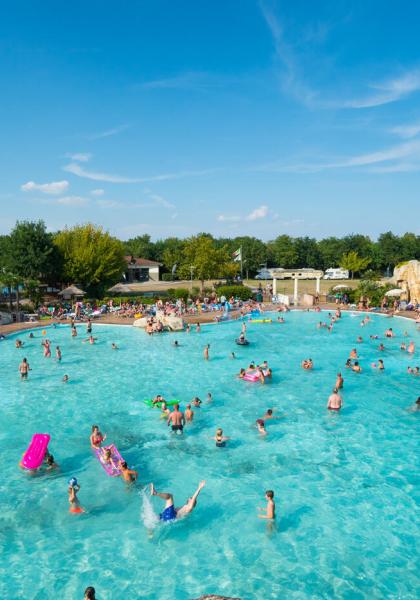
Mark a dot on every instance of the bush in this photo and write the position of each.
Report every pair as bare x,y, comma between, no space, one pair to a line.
238,291
181,294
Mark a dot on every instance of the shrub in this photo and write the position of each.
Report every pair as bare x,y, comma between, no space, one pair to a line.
168,277
238,291
181,294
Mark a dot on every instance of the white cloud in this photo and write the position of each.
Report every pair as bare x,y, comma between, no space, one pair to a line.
55,187
160,201
258,213
407,150
228,218
80,156
292,79
108,132
109,204
97,192
79,171
72,201
388,91
407,131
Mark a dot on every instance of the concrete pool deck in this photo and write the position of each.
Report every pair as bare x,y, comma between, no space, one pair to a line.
192,319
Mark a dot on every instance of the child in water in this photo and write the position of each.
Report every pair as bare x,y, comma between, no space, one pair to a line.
220,439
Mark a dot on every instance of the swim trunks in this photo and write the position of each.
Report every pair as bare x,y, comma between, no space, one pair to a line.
220,444
177,427
169,514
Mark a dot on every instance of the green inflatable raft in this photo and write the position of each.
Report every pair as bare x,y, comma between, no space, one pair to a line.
149,403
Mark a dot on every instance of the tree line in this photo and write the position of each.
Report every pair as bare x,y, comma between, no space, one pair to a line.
90,256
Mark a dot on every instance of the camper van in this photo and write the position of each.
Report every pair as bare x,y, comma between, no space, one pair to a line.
336,274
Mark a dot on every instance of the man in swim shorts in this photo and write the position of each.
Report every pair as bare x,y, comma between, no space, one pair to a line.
24,369
335,401
170,513
176,419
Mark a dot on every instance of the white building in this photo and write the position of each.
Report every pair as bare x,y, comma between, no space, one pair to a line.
141,269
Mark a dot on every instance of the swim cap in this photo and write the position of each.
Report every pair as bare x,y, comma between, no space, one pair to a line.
72,481
44,332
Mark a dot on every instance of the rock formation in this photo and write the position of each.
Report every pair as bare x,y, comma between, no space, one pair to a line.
407,277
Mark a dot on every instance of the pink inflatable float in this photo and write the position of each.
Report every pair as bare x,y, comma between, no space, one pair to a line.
34,455
253,376
110,461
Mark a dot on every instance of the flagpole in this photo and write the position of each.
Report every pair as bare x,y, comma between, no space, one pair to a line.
241,265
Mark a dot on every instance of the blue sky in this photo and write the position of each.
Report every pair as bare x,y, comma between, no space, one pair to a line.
234,117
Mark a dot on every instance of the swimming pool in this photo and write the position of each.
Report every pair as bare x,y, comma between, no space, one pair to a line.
345,484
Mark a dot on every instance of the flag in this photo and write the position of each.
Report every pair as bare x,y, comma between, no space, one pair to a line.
237,255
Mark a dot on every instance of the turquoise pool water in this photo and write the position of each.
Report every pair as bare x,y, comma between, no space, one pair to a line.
345,483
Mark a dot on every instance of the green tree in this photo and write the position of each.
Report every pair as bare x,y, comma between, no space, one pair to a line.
254,252
140,246
331,250
173,254
208,261
283,252
354,263
308,253
91,256
31,250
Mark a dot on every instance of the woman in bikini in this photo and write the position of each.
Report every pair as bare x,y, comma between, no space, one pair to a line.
96,437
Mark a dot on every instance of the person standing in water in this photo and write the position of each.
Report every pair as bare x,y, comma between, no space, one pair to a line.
220,439
170,513
74,487
270,509
24,369
189,414
96,437
58,355
339,382
176,419
206,352
335,402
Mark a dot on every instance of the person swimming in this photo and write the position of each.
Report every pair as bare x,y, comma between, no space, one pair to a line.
129,475
65,378
261,426
307,364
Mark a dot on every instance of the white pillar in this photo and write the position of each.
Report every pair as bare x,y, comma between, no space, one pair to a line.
274,286
318,285
295,293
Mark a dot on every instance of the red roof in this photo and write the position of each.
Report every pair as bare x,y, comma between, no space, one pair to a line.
141,262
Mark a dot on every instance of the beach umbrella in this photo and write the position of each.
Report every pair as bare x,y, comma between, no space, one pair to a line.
394,292
341,287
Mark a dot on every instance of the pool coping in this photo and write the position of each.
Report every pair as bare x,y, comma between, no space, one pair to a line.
16,328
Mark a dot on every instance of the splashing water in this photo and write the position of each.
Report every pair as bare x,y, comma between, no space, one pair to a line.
147,514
